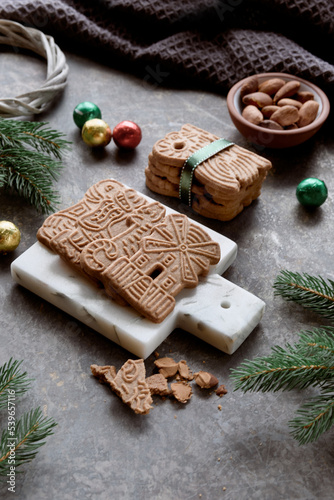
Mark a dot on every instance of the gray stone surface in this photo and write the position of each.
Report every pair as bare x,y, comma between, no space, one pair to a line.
100,449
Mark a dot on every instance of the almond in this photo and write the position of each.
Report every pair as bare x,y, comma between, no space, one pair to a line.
286,115
287,90
252,114
308,113
271,86
304,96
293,126
249,86
286,101
267,111
270,124
259,99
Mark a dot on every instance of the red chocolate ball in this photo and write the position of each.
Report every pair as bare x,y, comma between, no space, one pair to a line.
127,135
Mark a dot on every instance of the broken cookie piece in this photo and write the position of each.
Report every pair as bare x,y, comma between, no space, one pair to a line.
205,380
157,384
221,390
130,385
184,370
105,374
181,391
167,367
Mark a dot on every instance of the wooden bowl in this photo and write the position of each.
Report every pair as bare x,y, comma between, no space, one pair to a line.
276,138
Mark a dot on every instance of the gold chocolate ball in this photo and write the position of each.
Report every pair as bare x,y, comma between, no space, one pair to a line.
96,133
10,237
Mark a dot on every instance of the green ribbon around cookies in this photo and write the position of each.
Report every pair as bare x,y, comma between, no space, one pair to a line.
193,161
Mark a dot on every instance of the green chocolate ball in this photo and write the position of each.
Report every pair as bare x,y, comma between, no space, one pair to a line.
85,111
311,192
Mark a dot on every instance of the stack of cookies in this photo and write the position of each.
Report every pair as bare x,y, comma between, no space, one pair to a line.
222,185
141,256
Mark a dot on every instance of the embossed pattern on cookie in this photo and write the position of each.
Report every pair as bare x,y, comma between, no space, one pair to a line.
175,147
168,260
99,254
130,385
102,213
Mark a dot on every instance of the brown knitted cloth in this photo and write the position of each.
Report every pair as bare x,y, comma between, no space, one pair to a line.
207,43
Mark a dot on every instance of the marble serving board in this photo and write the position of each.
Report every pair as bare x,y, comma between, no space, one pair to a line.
216,311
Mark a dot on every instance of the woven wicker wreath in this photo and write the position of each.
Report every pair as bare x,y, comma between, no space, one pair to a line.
34,102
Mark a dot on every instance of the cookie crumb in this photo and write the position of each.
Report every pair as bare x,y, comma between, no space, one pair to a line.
220,407
221,390
184,370
157,384
167,366
181,391
205,380
104,374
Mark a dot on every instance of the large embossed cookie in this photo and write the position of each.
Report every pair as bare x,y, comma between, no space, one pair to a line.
170,259
142,258
97,256
102,213
231,178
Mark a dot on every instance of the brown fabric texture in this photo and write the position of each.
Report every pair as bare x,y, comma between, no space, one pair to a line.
202,43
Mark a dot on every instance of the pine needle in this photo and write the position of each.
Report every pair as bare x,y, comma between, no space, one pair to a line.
31,175
29,161
308,363
318,342
285,369
314,417
11,379
35,134
312,292
30,431
22,437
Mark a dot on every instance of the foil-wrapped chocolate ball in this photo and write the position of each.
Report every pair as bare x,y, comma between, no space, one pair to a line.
96,133
10,237
311,192
85,111
127,135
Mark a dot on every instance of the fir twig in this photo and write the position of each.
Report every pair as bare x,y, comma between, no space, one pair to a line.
31,175
312,292
314,417
285,369
310,362
35,134
319,341
11,379
30,431
29,161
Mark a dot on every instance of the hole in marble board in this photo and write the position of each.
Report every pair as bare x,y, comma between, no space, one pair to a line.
225,304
